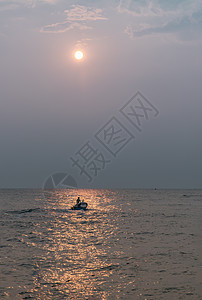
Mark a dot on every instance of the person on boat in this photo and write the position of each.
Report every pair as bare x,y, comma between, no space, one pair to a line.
78,201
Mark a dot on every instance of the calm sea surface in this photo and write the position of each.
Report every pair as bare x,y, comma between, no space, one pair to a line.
129,244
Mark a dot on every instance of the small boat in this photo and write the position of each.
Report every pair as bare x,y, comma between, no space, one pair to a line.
82,205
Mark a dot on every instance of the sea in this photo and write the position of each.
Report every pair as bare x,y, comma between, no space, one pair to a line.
129,244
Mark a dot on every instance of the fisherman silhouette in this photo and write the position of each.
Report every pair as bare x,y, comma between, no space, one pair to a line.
78,201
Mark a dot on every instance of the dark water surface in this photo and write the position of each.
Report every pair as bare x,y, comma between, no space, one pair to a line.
130,244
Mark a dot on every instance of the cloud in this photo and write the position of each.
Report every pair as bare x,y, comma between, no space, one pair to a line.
159,16
63,27
83,13
139,8
76,18
169,27
14,4
50,1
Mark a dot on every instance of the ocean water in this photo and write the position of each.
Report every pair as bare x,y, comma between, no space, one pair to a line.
129,244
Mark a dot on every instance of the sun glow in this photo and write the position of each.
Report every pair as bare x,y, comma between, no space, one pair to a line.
78,55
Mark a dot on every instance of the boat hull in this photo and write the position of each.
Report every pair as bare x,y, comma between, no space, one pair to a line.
80,206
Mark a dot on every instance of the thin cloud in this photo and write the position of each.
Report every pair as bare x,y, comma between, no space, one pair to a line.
63,27
14,4
139,8
164,28
83,13
76,18
50,1
152,17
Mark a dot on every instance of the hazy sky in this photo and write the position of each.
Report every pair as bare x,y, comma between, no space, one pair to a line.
59,115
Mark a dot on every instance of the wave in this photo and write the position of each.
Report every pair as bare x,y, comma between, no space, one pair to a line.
23,211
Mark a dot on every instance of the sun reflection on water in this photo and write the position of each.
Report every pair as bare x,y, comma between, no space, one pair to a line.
75,245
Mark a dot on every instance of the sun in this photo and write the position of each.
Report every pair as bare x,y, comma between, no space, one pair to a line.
78,55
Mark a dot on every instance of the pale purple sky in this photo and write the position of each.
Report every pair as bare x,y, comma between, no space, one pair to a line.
51,104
